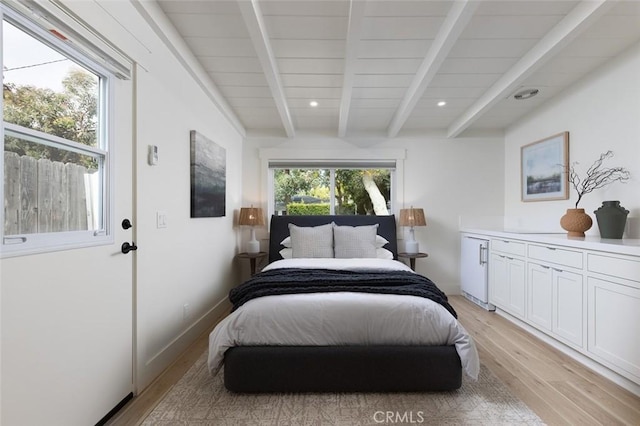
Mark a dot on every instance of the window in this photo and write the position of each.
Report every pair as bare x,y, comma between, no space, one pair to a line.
352,189
55,151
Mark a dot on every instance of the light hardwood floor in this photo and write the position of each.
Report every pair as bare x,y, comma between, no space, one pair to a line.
560,390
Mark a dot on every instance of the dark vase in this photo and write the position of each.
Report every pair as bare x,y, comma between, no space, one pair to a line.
612,218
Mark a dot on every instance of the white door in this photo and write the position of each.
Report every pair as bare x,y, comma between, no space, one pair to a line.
67,346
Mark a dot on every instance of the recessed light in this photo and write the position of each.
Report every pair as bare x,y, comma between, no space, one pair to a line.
441,103
526,94
313,103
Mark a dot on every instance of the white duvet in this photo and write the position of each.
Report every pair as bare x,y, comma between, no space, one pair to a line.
341,318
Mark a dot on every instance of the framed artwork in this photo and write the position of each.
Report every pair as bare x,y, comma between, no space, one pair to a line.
208,177
544,164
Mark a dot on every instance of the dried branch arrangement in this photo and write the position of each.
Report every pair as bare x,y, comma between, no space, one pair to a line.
596,177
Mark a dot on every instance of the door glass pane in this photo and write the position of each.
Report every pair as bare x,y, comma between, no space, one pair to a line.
363,192
302,191
46,91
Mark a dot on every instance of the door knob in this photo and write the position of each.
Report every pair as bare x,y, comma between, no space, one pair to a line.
126,247
126,224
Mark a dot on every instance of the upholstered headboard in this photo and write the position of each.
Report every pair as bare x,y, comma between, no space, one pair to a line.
280,229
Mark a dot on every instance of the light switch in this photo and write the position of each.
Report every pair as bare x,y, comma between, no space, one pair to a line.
161,219
153,155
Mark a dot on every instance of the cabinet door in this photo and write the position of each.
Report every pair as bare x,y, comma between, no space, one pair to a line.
614,326
498,281
540,291
516,275
568,306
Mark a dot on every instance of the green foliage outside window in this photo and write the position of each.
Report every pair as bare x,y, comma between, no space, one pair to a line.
70,114
291,182
350,194
350,190
299,209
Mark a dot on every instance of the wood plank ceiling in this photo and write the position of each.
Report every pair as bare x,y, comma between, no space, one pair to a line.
379,68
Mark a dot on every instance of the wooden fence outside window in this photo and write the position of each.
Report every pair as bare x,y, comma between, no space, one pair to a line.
45,196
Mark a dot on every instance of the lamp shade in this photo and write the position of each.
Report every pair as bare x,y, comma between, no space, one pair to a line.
251,216
412,217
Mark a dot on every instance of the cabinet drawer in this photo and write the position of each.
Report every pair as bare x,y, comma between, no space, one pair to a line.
621,267
508,246
556,255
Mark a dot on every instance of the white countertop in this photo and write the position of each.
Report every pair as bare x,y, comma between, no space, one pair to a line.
623,246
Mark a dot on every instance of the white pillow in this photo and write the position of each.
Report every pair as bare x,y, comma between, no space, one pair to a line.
355,241
286,242
287,253
380,242
312,241
380,253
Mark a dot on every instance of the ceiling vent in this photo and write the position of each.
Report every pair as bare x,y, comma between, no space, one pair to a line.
524,94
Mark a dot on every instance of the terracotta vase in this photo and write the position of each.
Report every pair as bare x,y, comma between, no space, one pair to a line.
576,222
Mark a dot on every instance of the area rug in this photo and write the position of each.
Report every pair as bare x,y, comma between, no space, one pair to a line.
199,399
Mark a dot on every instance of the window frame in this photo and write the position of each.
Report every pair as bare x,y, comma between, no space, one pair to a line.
26,244
332,168
328,159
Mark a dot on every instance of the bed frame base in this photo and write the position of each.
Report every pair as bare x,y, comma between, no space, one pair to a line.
251,369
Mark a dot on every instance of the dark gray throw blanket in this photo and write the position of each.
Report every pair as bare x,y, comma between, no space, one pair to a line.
300,280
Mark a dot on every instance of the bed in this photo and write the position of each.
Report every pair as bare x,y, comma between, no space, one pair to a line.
336,339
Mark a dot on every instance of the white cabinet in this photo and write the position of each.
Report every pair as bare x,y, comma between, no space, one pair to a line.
568,306
585,296
625,267
540,294
507,277
556,255
555,302
517,285
498,281
614,324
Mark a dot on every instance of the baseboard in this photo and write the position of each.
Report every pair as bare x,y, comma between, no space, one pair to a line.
170,352
582,359
484,305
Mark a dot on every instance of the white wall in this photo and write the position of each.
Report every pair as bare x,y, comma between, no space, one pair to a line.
190,261
447,178
601,112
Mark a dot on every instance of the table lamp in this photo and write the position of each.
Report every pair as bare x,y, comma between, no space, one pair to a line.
412,217
252,217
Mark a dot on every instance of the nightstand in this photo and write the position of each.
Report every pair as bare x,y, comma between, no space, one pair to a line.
412,258
252,259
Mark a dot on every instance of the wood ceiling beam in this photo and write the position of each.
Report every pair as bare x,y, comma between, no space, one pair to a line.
356,14
454,24
257,31
576,21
